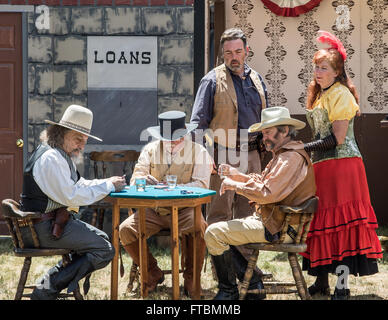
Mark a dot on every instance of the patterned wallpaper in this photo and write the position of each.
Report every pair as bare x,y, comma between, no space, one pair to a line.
282,47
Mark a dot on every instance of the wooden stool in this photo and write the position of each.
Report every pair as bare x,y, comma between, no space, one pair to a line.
15,218
306,211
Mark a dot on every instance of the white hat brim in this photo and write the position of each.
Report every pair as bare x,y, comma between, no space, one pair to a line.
155,132
277,122
71,128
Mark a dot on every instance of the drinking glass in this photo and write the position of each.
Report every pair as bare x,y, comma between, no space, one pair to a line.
140,184
171,181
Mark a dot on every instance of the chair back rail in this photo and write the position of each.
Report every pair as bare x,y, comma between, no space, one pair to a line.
13,216
114,156
100,159
306,212
124,156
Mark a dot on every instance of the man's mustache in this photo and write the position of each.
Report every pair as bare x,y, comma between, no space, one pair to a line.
269,144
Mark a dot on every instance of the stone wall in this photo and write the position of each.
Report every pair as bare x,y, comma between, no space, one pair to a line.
57,58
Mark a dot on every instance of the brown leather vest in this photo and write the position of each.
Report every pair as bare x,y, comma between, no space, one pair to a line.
225,111
272,218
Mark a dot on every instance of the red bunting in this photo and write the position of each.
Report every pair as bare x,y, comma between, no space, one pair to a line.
290,8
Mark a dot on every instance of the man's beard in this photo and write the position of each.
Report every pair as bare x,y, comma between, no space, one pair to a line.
270,144
234,68
78,158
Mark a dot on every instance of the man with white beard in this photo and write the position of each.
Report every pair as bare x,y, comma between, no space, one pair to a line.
52,185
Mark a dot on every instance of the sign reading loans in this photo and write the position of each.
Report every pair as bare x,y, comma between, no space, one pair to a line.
122,62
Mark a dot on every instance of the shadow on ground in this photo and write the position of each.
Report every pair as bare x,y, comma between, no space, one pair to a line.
164,292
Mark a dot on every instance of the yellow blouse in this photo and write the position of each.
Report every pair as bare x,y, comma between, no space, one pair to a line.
338,101
335,103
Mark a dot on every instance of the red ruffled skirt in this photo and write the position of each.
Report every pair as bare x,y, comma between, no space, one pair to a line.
343,230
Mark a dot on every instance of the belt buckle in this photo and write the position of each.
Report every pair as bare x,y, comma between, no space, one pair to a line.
244,146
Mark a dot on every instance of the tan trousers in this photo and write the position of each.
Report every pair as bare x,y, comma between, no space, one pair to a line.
230,205
129,228
220,235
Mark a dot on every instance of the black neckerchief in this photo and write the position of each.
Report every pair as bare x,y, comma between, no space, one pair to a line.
323,90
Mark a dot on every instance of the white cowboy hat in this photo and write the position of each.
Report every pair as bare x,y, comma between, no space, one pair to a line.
172,126
276,116
77,118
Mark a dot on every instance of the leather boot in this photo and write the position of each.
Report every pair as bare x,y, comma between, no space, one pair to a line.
189,262
155,275
44,289
320,286
59,277
240,265
227,287
341,294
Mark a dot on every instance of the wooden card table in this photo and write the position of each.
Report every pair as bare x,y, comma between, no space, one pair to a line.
175,198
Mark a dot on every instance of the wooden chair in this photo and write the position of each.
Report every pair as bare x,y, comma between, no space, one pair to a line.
306,211
15,218
100,160
134,274
127,159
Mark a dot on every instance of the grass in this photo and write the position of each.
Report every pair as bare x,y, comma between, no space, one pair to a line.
373,287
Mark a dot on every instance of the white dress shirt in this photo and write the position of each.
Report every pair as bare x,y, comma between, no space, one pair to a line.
52,174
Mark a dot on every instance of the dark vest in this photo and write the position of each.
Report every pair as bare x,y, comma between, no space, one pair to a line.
32,198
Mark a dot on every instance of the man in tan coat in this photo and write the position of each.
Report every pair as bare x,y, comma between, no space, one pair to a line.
288,179
173,153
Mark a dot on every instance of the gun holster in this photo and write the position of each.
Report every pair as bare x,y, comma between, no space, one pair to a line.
59,222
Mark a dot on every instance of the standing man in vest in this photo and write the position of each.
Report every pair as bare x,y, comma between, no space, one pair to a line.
288,179
229,100
51,184
173,153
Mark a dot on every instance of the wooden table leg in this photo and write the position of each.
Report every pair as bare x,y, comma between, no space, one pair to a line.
196,262
175,253
143,253
115,261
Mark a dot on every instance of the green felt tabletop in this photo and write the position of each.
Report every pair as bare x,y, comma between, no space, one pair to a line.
152,193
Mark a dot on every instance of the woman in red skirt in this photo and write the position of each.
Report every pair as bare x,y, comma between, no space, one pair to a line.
342,237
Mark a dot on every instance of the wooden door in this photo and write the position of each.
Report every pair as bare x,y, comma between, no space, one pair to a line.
11,108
